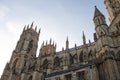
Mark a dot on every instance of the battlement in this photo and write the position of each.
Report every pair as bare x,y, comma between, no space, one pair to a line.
29,28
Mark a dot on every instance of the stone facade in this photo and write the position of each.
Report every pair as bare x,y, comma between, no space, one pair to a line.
98,60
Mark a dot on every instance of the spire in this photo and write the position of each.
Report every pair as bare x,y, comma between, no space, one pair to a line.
84,38
67,43
75,46
97,12
67,39
99,18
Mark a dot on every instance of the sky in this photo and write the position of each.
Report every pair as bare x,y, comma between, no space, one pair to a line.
56,18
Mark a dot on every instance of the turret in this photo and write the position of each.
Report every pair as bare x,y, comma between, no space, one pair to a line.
113,8
100,23
47,49
26,48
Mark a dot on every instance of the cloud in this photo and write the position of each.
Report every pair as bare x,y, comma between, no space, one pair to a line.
14,27
3,11
9,37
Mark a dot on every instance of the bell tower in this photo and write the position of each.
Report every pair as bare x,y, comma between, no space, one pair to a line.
25,50
28,41
113,8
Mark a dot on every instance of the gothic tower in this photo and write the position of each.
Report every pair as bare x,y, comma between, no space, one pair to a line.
101,28
25,50
113,8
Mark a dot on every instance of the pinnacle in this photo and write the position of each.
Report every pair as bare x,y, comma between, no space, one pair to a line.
32,24
30,27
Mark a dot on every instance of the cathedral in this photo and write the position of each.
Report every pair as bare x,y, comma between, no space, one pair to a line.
98,60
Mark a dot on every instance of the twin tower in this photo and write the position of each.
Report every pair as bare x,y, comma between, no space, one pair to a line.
99,60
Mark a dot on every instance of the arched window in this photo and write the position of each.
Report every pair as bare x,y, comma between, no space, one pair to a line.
56,62
30,78
45,64
81,57
30,46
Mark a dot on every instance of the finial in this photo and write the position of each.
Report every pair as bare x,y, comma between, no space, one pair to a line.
35,28
75,45
50,41
28,26
67,38
32,24
95,6
84,39
67,43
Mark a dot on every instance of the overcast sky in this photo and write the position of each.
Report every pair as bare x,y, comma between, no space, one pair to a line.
56,18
